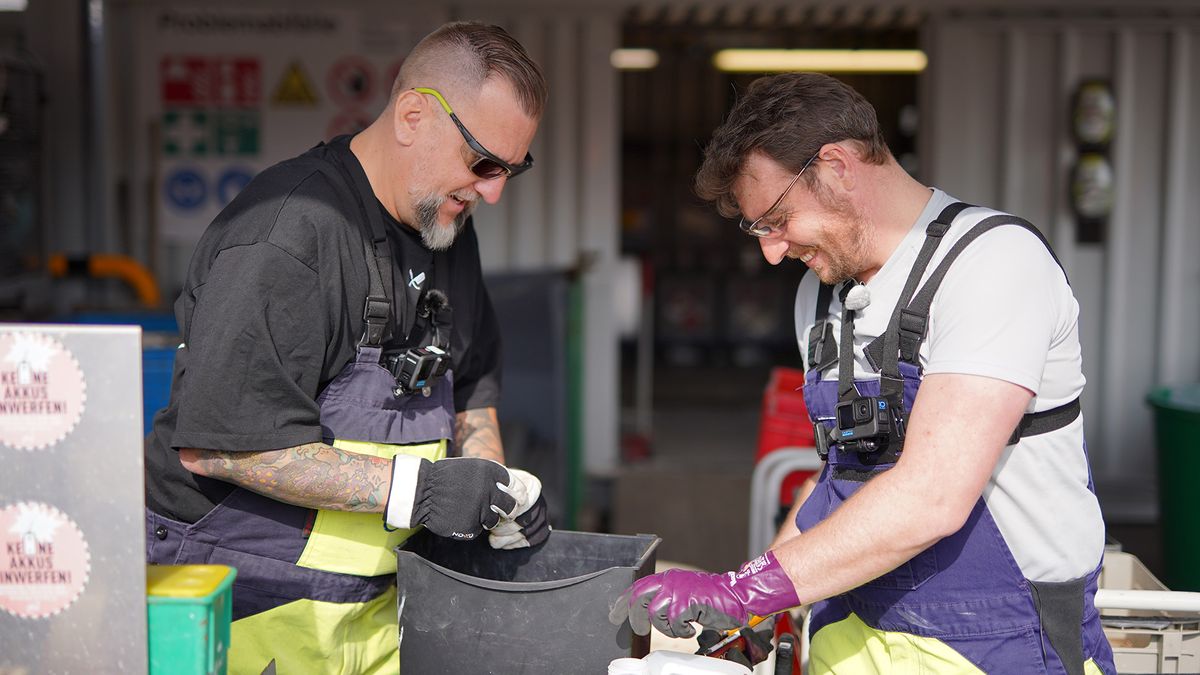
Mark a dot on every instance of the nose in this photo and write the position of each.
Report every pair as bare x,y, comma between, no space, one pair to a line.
489,189
773,249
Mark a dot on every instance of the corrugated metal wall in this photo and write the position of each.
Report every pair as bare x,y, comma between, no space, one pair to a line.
565,214
996,131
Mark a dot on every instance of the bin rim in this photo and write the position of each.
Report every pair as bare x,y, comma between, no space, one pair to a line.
1183,397
527,586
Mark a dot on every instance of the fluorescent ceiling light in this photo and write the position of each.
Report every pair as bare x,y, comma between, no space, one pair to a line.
821,60
633,59
13,5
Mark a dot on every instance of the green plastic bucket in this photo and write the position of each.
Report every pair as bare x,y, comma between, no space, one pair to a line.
189,612
1177,431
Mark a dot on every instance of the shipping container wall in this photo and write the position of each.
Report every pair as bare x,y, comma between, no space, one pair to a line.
1004,126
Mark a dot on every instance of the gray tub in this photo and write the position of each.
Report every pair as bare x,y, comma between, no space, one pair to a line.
468,609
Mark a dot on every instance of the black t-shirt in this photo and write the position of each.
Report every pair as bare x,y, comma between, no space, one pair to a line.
272,311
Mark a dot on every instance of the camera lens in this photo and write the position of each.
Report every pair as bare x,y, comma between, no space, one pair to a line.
862,411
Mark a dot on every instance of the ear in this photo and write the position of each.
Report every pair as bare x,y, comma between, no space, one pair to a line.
842,164
408,113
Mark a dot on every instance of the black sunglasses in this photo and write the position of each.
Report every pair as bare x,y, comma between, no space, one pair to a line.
488,166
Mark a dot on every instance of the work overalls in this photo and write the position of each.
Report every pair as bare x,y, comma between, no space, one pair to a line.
962,605
315,590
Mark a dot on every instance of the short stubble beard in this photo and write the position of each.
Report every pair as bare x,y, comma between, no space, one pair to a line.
845,261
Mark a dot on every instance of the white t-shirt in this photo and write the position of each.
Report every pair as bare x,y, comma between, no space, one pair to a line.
1004,310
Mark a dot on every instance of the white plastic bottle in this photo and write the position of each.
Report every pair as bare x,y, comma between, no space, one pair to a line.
628,667
675,663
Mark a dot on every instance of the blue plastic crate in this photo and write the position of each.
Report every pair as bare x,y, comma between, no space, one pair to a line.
160,338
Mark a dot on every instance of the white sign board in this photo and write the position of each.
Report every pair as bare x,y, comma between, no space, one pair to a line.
72,512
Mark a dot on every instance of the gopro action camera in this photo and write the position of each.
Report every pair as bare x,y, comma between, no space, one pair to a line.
865,424
416,369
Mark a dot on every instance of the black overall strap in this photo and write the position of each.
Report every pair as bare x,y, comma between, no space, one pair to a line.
881,353
822,346
377,310
916,314
378,306
911,330
846,390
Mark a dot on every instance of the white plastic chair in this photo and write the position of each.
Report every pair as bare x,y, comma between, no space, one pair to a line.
768,477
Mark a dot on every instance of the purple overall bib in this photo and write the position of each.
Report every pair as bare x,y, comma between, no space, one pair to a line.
264,538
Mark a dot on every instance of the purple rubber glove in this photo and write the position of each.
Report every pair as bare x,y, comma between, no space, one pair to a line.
671,600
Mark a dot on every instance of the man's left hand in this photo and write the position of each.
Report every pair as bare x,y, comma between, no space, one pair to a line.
670,601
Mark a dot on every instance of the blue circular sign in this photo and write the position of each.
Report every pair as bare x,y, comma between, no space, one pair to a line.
185,189
231,183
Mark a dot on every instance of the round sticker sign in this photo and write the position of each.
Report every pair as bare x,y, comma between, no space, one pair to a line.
45,563
42,392
351,81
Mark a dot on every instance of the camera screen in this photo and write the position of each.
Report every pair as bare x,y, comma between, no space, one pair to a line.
845,415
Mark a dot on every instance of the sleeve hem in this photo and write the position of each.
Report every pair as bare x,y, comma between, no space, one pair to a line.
986,370
244,442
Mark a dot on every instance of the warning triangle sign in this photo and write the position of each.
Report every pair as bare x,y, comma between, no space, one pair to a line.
293,88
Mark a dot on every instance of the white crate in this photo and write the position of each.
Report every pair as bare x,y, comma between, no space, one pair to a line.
1151,629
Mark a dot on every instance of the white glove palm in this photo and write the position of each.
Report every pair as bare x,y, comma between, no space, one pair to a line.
525,489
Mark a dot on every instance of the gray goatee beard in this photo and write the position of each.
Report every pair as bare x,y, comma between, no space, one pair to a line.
435,236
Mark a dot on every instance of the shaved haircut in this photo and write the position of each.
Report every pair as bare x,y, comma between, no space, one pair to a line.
458,57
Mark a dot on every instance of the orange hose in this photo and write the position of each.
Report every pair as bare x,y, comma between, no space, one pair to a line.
115,266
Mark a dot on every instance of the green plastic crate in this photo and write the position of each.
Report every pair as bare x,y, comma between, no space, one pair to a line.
189,609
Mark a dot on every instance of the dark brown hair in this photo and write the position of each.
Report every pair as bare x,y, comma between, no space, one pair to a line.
788,118
474,51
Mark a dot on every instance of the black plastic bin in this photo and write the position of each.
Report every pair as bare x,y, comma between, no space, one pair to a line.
468,609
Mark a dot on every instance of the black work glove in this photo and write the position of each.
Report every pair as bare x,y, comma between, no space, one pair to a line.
457,497
753,648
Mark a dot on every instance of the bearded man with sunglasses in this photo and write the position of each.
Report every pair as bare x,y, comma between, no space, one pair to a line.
954,528
339,376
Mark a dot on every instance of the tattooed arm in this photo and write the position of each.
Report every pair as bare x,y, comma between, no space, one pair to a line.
314,475
477,434
319,476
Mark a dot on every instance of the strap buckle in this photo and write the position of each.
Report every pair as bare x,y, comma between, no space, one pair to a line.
822,347
377,311
912,331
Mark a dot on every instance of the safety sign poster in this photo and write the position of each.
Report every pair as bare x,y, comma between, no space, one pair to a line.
227,92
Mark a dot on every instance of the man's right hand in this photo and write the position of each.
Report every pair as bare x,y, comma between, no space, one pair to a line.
457,497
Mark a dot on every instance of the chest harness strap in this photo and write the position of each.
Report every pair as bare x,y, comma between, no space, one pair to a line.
377,308
903,337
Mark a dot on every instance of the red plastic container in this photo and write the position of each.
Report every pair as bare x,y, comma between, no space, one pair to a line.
785,424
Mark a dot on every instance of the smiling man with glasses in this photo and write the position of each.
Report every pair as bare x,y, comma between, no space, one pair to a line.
954,528
340,350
